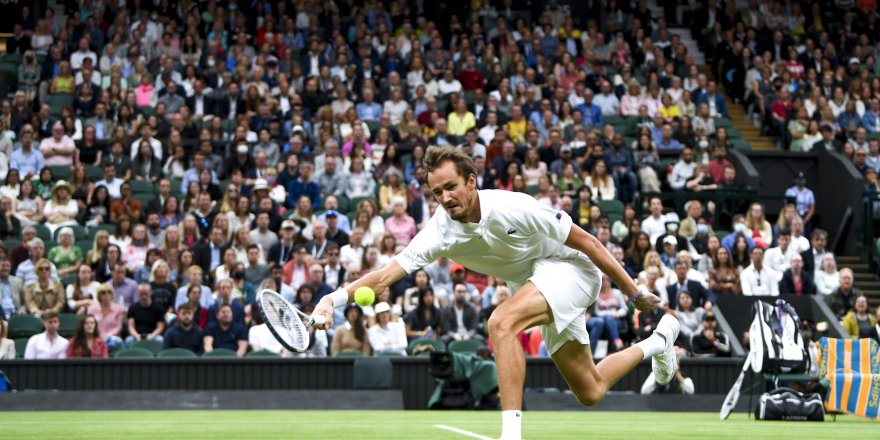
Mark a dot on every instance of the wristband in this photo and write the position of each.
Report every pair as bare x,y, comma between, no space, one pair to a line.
638,295
339,298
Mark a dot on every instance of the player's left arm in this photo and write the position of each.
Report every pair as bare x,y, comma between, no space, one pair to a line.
582,241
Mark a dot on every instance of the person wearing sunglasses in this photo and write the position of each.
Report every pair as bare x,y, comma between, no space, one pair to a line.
45,294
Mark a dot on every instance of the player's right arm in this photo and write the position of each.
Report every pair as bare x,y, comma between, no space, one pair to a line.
378,281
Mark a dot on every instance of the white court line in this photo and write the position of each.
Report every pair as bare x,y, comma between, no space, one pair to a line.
463,432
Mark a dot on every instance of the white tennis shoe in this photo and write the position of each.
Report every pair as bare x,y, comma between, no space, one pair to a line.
663,365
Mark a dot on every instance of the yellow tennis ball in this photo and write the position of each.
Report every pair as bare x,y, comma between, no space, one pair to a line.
364,296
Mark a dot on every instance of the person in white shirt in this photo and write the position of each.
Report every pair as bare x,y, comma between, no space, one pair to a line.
606,100
682,170
387,336
757,279
554,268
779,258
350,255
655,224
49,344
799,243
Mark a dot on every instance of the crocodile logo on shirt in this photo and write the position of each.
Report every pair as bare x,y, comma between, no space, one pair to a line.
511,231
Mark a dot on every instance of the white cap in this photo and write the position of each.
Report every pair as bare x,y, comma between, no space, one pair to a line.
382,307
260,184
670,240
242,148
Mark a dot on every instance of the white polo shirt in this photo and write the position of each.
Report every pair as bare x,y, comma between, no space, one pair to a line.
514,232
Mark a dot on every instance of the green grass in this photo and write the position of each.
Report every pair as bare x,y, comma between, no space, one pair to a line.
391,425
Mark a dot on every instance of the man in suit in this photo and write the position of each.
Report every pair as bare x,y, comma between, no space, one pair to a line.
485,180
282,251
313,60
103,125
787,284
715,101
199,103
828,141
813,256
230,105
702,297
209,254
455,329
10,289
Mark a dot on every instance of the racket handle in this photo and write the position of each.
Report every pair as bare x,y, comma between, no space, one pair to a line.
318,321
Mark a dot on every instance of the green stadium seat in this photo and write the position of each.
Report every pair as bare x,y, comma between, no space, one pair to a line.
133,352
614,119
62,172
220,353
733,133
348,353
58,101
466,346
94,173
11,243
176,353
344,204
151,345
69,321
20,346
532,190
142,187
422,347
723,123
79,233
24,326
262,353
741,144
44,233
85,245
610,207
145,200
175,186
93,231
67,280
721,233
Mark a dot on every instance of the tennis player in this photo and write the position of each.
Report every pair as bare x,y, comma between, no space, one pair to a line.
551,264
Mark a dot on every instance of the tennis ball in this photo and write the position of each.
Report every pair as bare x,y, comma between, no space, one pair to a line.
364,296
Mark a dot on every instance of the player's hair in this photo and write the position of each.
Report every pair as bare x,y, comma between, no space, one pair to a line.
436,156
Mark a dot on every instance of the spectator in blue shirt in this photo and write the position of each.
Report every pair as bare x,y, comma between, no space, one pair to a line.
223,333
667,142
27,160
304,186
805,200
592,114
369,110
620,162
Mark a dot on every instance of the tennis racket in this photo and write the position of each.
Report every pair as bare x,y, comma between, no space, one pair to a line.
289,325
733,394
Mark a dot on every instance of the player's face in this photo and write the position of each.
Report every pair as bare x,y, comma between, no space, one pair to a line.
457,195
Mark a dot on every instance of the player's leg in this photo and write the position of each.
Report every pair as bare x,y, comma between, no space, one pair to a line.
524,310
588,381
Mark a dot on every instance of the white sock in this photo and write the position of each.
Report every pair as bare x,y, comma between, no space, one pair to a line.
654,345
511,425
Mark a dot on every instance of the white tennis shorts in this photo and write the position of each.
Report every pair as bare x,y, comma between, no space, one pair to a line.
570,288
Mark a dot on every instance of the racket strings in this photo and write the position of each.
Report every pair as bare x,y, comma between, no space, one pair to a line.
281,317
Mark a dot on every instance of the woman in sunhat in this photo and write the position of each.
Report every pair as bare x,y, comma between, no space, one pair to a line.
61,209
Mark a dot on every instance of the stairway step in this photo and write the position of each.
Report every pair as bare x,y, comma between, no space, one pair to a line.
859,267
849,259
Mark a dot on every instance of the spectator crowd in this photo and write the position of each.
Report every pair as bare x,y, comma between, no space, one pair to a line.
163,162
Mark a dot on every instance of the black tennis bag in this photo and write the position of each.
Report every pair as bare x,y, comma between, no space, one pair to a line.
788,404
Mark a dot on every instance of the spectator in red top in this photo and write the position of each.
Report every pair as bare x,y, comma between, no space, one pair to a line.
87,341
718,163
469,76
781,107
794,65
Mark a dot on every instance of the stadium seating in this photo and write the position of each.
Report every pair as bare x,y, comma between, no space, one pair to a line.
68,322
348,353
220,353
151,345
176,353
24,326
262,354
133,352
421,345
20,346
466,346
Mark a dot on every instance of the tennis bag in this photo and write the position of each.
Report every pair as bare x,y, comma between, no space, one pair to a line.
788,404
776,339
